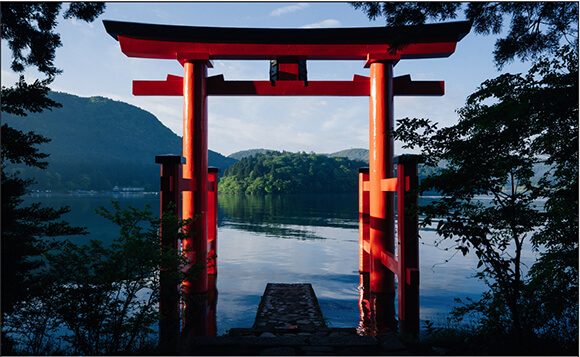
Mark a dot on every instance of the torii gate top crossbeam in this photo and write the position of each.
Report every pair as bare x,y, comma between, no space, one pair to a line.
372,43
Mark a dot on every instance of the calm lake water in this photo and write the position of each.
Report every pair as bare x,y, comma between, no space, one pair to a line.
293,239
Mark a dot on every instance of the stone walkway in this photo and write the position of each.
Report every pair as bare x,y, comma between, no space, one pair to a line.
289,322
289,307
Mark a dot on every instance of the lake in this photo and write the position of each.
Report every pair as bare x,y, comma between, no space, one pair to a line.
292,239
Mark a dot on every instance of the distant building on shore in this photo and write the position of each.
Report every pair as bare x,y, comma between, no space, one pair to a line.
128,189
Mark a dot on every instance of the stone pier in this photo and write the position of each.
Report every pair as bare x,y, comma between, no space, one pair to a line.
289,307
289,322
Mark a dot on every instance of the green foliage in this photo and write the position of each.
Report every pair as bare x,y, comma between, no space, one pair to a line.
409,14
98,299
28,28
284,172
21,148
27,98
26,231
535,27
507,126
454,339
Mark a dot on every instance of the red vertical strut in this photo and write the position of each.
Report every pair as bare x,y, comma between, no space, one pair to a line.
363,221
382,280
364,257
408,233
169,278
401,290
212,205
195,200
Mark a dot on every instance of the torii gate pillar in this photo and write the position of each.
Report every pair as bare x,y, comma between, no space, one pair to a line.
382,214
195,200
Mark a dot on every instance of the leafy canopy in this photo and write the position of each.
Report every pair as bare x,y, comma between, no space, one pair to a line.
535,28
28,28
101,299
509,124
285,172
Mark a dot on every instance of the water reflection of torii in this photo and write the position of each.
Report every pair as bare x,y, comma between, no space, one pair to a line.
288,50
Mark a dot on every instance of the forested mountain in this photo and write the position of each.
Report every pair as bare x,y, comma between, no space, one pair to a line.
245,153
285,172
98,143
353,154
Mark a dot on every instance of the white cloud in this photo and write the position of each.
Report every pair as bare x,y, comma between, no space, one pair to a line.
287,123
287,9
323,23
8,78
76,22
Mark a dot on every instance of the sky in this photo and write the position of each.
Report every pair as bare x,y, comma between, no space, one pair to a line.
93,65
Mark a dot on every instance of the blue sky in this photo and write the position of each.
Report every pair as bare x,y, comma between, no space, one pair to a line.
94,66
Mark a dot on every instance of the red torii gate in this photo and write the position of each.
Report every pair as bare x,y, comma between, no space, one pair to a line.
288,50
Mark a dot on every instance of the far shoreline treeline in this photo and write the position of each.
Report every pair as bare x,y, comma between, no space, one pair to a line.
286,172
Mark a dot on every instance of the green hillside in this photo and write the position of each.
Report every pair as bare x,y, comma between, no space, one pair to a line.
98,143
245,153
285,172
352,154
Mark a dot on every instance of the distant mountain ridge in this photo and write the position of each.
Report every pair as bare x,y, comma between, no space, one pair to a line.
250,152
98,143
351,154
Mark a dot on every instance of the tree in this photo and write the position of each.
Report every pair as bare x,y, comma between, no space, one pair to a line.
507,126
28,28
557,141
536,27
276,172
510,124
101,300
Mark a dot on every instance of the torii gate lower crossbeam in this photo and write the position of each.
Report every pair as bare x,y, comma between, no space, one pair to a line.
359,86
288,50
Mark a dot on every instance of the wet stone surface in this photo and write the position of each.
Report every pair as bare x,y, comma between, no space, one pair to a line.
289,307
